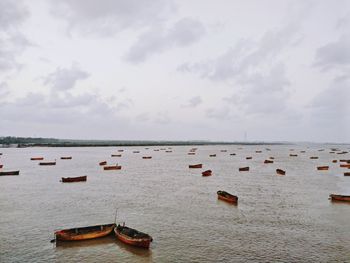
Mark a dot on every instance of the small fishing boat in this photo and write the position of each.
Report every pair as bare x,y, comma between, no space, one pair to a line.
258,151
280,172
74,179
343,152
156,150
102,163
195,165
232,154
207,173
313,157
344,160
136,151
345,165
293,155
249,158
37,158
168,151
84,233
47,163
66,157
268,161
4,173
322,168
116,155
1,165
302,151
146,157
132,236
347,174
223,151
321,150
243,169
343,198
212,155
112,167
334,161
191,153
272,158
225,196
120,151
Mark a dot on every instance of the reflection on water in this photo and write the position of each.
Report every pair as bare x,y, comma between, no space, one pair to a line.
278,218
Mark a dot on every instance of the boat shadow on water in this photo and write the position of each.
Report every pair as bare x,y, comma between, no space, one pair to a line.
141,252
110,239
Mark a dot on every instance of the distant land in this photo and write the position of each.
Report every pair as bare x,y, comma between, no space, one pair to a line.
22,142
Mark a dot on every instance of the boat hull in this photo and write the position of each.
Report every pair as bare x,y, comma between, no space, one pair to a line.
280,172
195,166
207,173
137,242
84,233
6,173
340,198
243,169
322,168
74,179
47,163
224,196
114,167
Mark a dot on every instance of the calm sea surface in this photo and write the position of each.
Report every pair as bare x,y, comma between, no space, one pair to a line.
278,218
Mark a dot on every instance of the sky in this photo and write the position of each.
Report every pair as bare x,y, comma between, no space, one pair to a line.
225,70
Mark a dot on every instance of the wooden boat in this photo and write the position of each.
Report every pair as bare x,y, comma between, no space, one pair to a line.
225,196
272,158
37,158
116,155
268,161
146,157
103,163
232,154
136,151
207,173
212,155
84,233
74,179
195,165
191,153
66,157
1,165
347,174
168,151
132,236
258,151
322,168
280,172
4,173
344,161
343,198
293,155
47,163
334,161
112,167
345,165
313,157
249,158
302,151
344,152
223,151
120,151
243,169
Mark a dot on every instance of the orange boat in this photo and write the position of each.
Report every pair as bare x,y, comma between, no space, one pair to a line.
47,163
112,167
334,161
343,198
280,172
195,165
322,168
37,158
103,163
268,161
345,165
344,161
146,157
74,179
212,155
4,173
347,174
225,196
243,169
66,157
84,233
207,173
132,236
313,157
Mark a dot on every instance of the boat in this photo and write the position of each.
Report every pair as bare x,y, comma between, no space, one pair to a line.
334,161
112,167
243,169
313,157
223,151
347,174
136,151
322,168
345,165
84,233
191,153
103,163
268,161
120,151
195,165
343,152
74,179
132,236
212,155
1,165
146,157
272,158
258,151
280,172
4,173
232,154
116,155
302,151
225,196
344,161
47,163
156,150
66,158
168,151
343,198
207,173
37,158
249,158
293,155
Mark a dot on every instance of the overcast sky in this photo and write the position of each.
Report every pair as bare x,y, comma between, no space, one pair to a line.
176,70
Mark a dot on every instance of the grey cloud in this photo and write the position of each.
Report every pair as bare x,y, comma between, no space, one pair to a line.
156,40
12,14
162,118
106,17
193,102
4,90
65,79
220,113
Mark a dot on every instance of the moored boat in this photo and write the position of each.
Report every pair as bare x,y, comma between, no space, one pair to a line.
37,158
314,157
232,154
195,165
74,179
146,157
168,151
132,236
47,163
207,173
249,158
4,173
136,151
293,155
345,165
225,196
66,157
347,174
258,151
116,155
1,165
334,161
268,161
223,151
212,155
343,198
322,168
120,151
84,233
191,153
243,169
280,172
102,163
112,167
